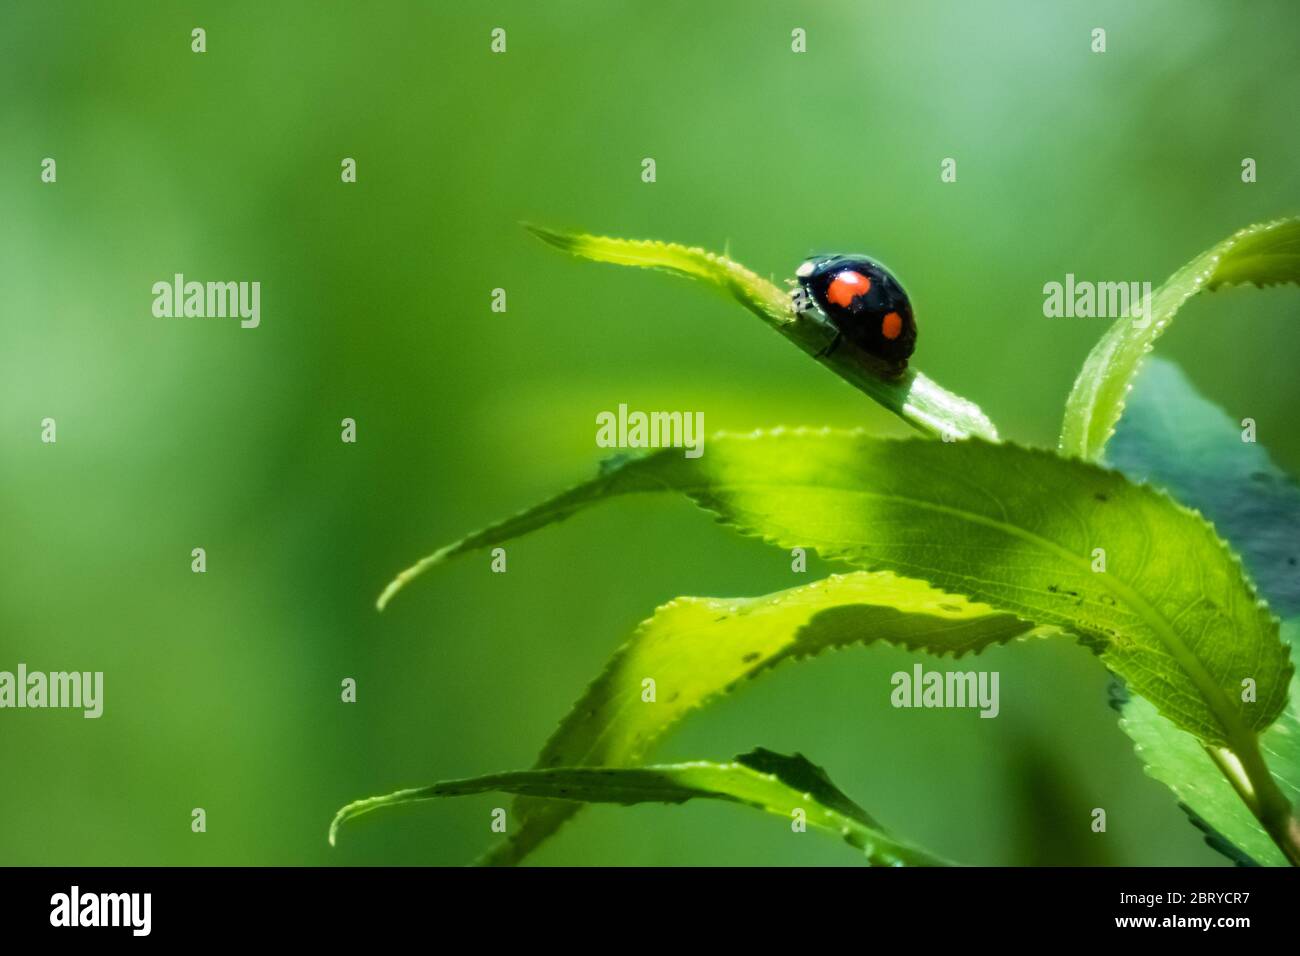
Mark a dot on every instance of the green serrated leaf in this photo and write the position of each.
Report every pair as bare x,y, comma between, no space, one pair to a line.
1014,528
1264,254
761,779
1173,438
1180,762
759,295
913,397
1281,742
698,649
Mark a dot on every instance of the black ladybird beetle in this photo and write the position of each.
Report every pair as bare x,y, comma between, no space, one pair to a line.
864,303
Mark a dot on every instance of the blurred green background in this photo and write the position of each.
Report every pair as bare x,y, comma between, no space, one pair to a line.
222,689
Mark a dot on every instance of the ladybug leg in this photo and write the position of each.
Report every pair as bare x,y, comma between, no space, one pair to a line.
831,347
808,310
828,329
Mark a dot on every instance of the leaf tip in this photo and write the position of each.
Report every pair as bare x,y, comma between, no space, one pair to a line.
552,237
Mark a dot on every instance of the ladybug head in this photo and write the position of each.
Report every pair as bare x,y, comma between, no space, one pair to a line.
865,304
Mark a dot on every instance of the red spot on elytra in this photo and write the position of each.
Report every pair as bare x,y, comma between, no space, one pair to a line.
891,325
846,287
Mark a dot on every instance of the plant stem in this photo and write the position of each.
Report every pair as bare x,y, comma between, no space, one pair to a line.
1271,807
1244,767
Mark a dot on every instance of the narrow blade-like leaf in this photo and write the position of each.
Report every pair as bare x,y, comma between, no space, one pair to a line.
764,780
1264,254
916,399
697,649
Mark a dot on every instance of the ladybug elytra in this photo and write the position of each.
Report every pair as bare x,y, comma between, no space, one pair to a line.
864,304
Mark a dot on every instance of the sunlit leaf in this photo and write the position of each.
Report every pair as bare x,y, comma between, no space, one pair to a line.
1014,528
697,649
913,397
1264,254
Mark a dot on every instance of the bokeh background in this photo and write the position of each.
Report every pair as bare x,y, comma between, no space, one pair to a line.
222,689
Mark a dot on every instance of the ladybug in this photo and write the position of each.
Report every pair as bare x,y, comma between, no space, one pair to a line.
863,303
